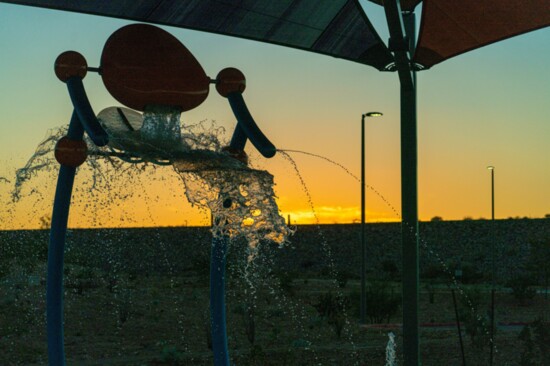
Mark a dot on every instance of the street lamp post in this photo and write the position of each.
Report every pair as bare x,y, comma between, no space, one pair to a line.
492,169
492,333
363,316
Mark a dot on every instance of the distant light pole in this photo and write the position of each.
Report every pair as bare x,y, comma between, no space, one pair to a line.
492,333
363,319
492,169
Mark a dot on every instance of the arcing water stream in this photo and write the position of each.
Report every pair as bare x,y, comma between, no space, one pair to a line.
241,199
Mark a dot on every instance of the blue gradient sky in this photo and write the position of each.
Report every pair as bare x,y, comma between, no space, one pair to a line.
487,107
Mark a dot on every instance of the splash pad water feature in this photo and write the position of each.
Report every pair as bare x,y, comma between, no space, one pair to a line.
148,70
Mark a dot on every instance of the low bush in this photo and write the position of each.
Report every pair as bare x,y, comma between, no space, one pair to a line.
522,288
332,308
535,339
381,301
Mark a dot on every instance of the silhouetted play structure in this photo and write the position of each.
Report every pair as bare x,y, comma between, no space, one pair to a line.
132,73
339,28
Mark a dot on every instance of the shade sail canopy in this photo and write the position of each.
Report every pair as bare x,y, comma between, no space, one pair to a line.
407,5
449,28
337,28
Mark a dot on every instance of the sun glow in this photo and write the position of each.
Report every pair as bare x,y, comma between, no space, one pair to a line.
335,215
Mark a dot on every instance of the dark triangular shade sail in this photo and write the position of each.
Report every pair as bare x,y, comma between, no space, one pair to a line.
337,28
452,27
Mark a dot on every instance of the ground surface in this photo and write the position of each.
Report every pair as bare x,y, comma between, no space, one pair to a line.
140,297
125,319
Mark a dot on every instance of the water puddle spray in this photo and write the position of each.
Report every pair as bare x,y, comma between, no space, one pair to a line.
391,357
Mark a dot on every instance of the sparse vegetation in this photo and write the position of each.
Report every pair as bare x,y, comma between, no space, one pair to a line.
300,315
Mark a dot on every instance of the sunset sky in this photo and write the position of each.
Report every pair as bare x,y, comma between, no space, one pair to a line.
487,107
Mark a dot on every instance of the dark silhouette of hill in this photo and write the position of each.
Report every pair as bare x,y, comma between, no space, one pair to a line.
313,250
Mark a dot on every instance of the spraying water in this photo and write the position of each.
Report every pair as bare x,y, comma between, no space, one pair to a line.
391,357
241,199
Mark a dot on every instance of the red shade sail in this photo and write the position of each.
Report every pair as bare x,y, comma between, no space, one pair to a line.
451,27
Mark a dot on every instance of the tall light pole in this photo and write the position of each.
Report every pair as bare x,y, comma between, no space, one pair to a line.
492,333
363,319
492,169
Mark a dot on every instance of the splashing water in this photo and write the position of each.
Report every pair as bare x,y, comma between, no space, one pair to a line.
41,160
323,241
391,357
241,199
349,173
241,202
422,241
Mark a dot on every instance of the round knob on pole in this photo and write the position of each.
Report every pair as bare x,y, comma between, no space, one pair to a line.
230,80
69,64
70,152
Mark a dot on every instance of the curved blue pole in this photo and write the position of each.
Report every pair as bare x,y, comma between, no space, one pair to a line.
238,140
84,111
217,301
249,126
54,288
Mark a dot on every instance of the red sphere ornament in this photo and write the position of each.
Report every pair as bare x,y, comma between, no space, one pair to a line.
69,64
71,153
230,80
240,155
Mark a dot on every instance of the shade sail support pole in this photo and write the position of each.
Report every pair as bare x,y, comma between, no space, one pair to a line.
402,42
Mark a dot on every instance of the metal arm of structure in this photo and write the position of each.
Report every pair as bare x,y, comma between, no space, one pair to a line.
85,113
238,140
247,128
60,215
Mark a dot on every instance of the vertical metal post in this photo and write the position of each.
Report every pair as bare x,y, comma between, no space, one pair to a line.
493,194
409,204
459,331
217,301
56,251
363,243
401,26
492,330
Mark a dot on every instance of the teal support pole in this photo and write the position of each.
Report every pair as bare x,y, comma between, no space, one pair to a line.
402,43
409,197
409,234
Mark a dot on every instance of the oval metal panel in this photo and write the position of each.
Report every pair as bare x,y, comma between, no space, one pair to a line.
142,65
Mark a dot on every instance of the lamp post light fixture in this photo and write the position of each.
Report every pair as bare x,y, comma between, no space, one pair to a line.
363,312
